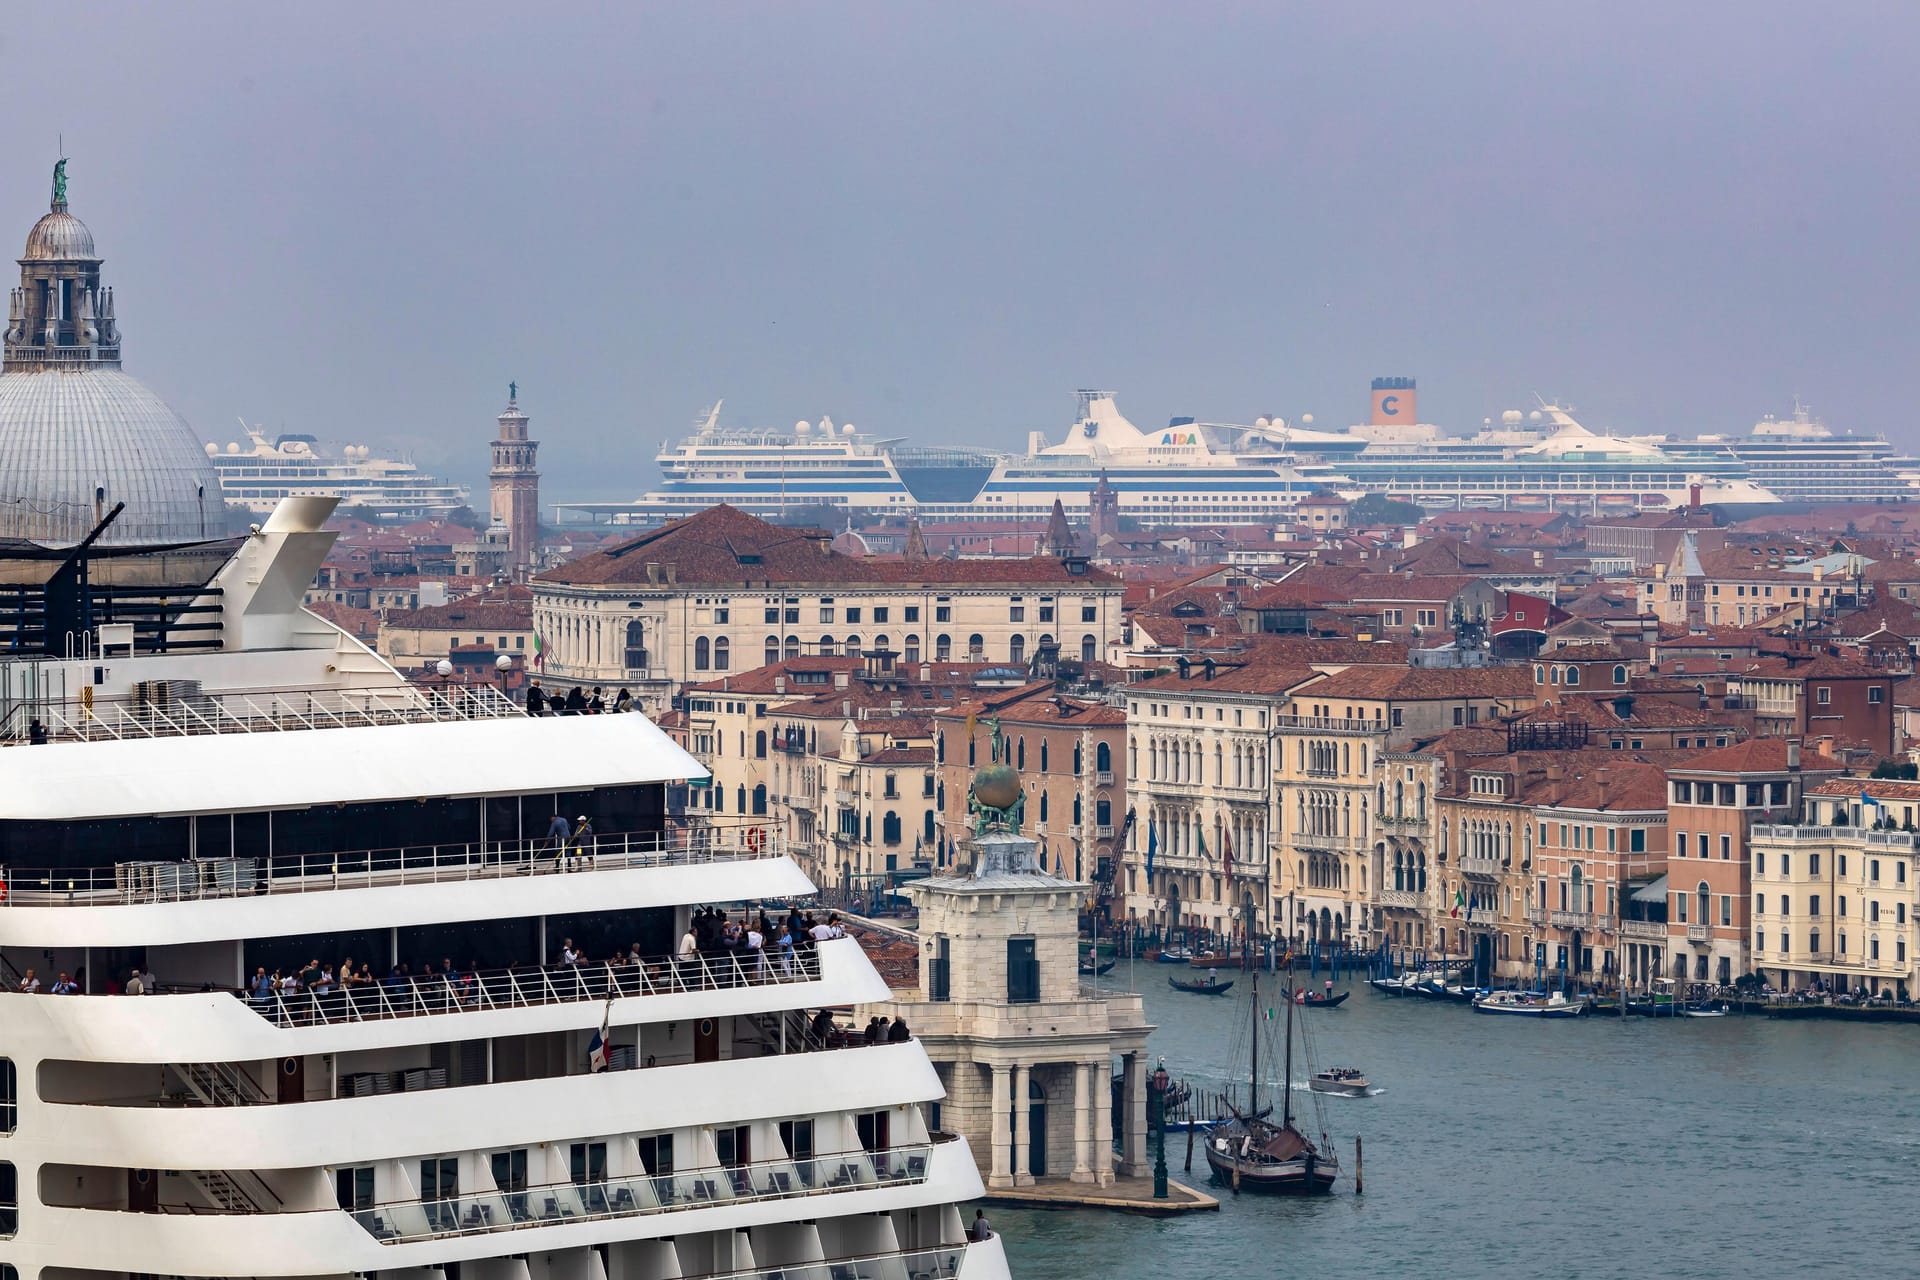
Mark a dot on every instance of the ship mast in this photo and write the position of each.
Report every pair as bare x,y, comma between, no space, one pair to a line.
1253,1090
1286,1080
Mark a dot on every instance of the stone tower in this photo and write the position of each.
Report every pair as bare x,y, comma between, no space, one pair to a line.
515,483
1103,513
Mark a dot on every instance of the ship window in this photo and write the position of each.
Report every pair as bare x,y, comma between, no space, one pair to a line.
9,1097
9,1205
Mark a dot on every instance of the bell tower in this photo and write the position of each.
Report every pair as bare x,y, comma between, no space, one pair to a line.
515,485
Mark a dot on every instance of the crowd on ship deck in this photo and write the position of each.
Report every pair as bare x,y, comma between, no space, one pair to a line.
575,701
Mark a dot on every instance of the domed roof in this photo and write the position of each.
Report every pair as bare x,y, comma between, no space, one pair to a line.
59,237
66,433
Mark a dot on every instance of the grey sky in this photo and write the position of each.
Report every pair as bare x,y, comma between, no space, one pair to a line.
939,220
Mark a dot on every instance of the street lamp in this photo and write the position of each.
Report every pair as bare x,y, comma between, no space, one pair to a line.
502,665
1157,1085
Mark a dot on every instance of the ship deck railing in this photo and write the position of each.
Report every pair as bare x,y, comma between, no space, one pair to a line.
203,879
159,712
529,985
558,1204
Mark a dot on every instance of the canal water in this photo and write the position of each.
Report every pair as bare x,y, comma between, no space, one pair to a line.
1734,1147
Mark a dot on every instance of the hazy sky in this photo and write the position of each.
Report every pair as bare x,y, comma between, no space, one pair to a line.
939,220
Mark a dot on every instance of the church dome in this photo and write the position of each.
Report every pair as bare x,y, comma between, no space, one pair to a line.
71,438
59,237
77,435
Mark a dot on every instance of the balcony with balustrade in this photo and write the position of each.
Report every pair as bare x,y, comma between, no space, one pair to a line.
1644,930
1404,899
1484,868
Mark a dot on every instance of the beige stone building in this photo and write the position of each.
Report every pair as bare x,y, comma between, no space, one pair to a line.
1026,1054
1835,900
500,619
723,591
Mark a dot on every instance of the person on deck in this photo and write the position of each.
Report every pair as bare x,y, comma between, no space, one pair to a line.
559,831
536,699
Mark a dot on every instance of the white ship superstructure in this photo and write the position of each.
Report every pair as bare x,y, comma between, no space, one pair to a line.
1802,460
258,475
1186,473
277,798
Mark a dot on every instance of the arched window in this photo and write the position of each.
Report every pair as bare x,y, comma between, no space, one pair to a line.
760,744
793,646
1017,650
1573,675
760,799
722,654
1102,758
1553,675
976,648
1539,674
1076,759
826,646
1619,675
740,799
880,642
943,648
911,651
890,828
637,645
1043,806
1020,749
772,650
1076,810
1103,812
853,646
926,832
700,660
1089,649
1043,755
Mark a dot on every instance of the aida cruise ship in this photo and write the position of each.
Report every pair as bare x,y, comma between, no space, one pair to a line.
229,789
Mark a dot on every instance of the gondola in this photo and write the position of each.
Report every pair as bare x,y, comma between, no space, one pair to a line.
1312,1001
1093,970
1201,988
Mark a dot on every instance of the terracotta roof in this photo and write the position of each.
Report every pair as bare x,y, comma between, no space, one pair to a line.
1407,684
1758,755
1252,677
508,607
1878,788
724,545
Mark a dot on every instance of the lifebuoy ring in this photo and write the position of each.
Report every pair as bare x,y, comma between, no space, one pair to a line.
756,838
3,888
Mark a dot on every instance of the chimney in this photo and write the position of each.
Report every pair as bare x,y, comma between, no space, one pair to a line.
1793,757
1603,781
926,674
1623,706
1555,777
780,684
1409,538
840,680
1693,497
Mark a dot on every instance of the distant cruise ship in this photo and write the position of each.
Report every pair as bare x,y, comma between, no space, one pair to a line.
1547,462
1187,473
292,466
1802,461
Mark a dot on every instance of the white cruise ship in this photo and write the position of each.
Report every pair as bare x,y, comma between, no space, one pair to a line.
258,475
1803,461
1186,473
275,798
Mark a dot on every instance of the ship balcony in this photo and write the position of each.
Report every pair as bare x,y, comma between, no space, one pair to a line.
848,1232
210,1027
815,1180
757,1082
148,903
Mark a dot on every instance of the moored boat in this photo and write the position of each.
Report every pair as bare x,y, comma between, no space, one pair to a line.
1257,1155
1207,986
1092,968
1527,1004
1174,955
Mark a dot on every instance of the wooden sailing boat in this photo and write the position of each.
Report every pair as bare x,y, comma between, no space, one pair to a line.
1255,1154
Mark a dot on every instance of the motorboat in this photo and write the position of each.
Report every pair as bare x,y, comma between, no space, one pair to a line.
1174,955
1346,1082
1530,1004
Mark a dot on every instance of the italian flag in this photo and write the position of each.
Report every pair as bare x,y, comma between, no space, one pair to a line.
1459,903
539,652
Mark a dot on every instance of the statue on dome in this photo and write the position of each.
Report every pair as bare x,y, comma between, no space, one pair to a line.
60,180
513,393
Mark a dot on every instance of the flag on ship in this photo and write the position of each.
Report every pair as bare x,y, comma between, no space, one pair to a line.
598,1049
